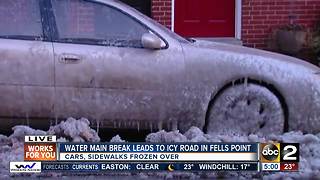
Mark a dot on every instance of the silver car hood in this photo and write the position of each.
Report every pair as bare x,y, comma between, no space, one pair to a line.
254,52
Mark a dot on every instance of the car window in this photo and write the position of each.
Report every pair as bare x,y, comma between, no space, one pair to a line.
80,21
20,19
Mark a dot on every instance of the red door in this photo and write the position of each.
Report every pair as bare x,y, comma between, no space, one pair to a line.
205,18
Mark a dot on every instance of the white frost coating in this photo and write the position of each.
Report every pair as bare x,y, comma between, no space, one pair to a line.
266,60
246,109
293,78
75,130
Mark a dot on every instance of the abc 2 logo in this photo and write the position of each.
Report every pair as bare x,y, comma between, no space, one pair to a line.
279,152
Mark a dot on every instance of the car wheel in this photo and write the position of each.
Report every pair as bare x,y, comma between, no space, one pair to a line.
246,109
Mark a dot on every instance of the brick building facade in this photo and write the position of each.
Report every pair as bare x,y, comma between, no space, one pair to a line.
255,20
161,11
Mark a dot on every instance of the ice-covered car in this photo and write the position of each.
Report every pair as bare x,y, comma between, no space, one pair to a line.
103,60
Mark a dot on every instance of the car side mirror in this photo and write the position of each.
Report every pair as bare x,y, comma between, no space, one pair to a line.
152,41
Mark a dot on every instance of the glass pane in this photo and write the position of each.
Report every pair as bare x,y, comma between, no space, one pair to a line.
20,18
79,19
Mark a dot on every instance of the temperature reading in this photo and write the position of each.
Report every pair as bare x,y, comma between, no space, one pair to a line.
245,166
289,166
188,166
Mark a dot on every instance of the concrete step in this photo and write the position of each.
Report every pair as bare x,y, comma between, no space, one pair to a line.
233,41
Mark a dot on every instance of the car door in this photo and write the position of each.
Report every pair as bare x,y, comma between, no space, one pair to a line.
102,72
26,62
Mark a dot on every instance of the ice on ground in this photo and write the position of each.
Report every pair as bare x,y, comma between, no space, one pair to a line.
4,140
75,131
117,138
194,134
168,137
20,131
11,149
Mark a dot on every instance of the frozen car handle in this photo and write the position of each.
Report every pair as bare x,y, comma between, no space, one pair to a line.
119,82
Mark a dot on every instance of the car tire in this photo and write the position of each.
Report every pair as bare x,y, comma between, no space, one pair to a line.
246,109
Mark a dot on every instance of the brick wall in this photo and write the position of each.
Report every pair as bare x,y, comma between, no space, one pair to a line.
261,17
161,11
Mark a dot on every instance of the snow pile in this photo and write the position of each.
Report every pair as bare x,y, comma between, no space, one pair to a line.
75,131
10,150
20,131
163,136
117,139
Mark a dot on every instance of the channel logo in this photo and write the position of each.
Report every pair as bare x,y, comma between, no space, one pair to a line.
270,153
276,152
25,167
290,152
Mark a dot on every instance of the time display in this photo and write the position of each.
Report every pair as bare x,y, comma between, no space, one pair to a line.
270,166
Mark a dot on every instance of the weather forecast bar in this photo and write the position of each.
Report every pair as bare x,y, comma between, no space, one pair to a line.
174,166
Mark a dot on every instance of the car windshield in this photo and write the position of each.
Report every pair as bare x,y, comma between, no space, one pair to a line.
160,26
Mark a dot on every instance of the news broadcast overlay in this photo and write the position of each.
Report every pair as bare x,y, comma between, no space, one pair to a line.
45,154
150,167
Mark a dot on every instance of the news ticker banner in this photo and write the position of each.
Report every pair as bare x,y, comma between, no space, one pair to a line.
99,167
230,156
137,152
